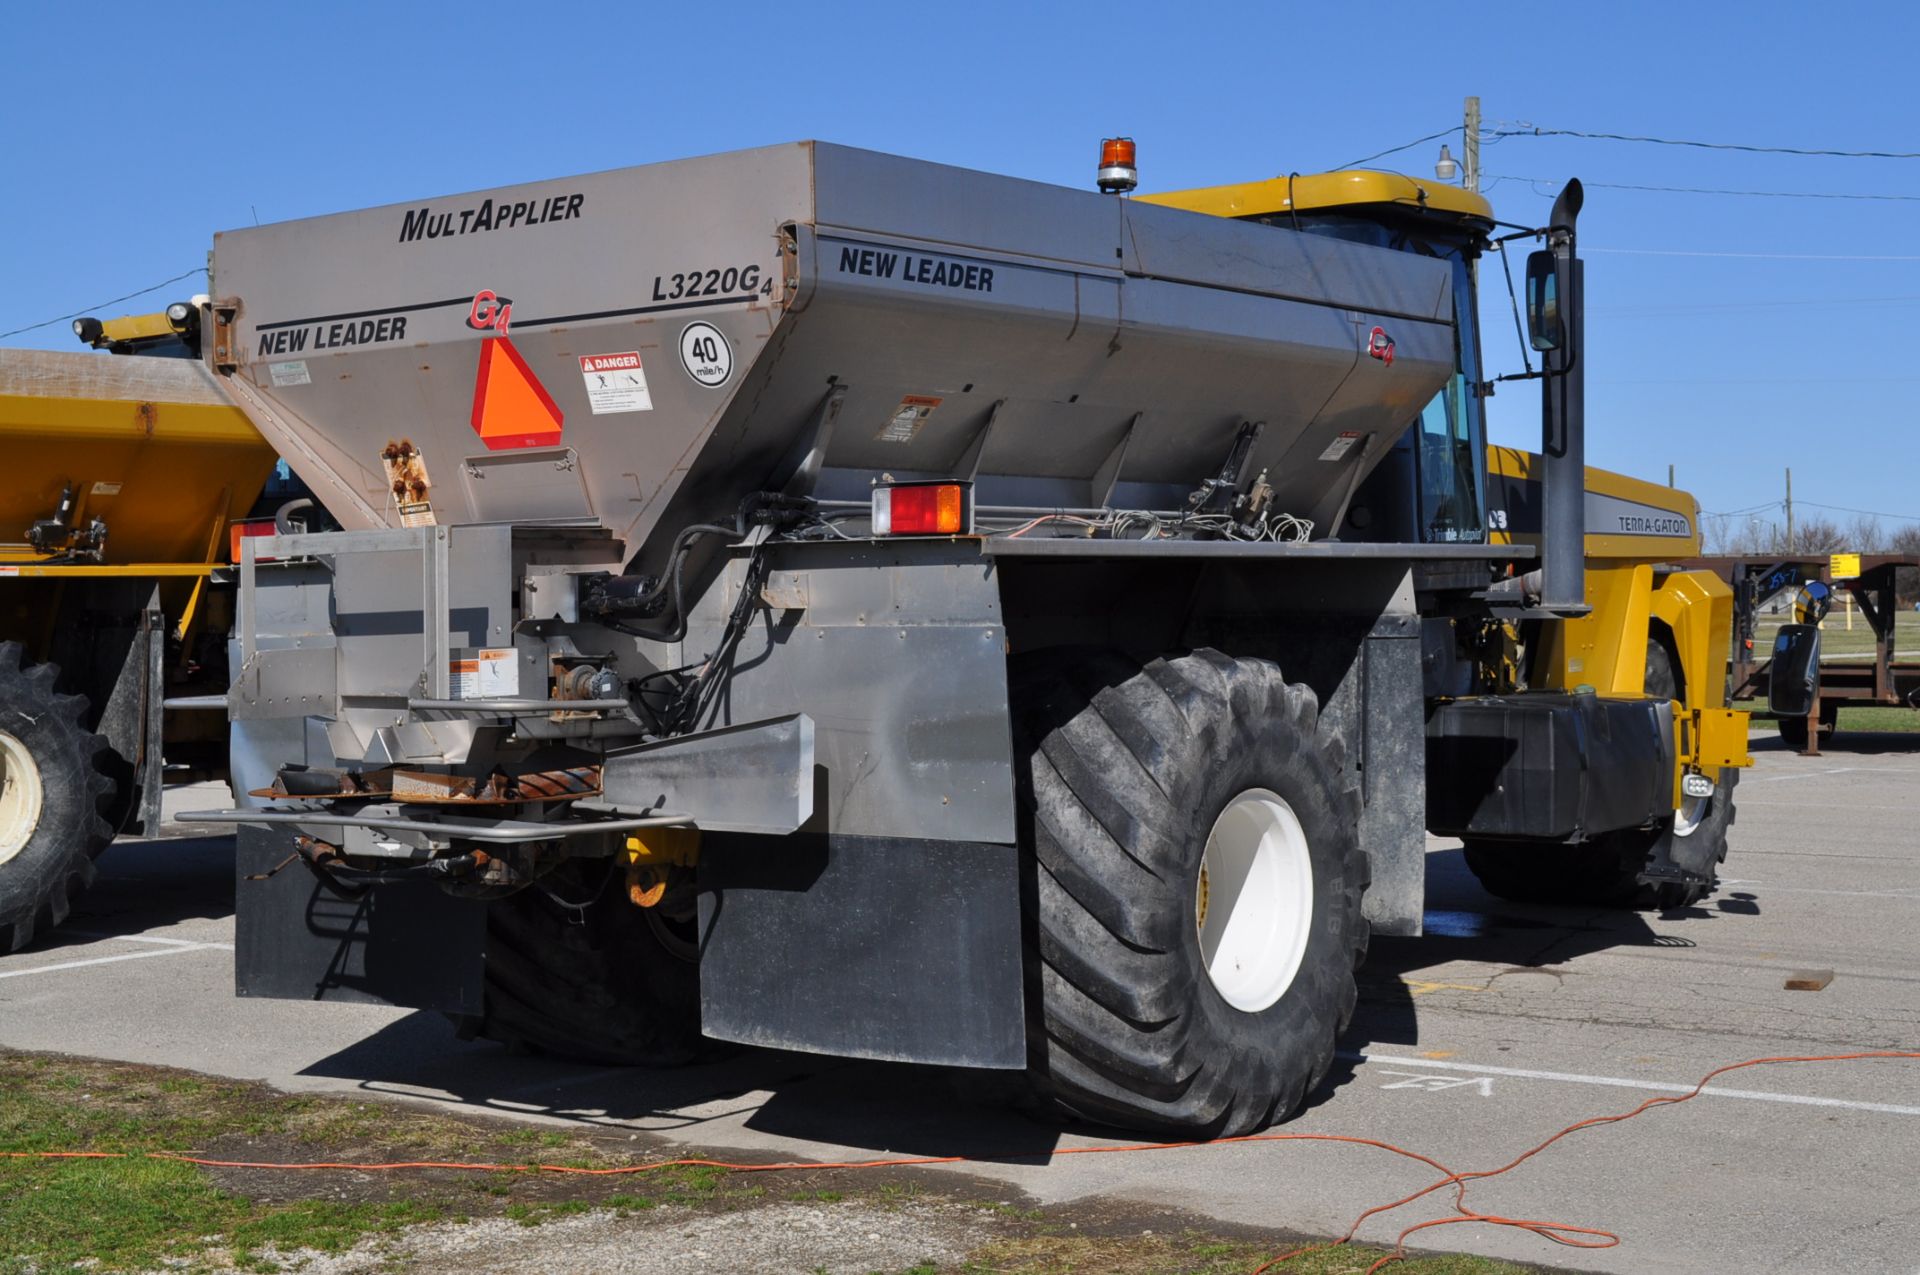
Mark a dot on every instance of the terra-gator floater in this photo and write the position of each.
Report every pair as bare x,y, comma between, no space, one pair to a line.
818,599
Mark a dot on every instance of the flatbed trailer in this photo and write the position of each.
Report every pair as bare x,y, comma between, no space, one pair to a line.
1879,679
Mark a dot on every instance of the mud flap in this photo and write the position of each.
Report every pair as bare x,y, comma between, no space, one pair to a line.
865,947
403,943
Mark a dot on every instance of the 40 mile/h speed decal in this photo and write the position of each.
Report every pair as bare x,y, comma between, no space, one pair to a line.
705,354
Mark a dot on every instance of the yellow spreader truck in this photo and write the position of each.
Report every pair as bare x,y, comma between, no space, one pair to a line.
123,478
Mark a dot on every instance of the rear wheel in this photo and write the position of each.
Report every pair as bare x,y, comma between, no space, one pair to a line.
575,970
1193,892
52,792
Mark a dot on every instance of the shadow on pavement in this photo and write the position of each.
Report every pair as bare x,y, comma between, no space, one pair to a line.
897,1109
890,1108
146,885
1465,923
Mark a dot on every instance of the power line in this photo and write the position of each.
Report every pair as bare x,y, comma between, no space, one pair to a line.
1772,505
1529,130
1430,137
1740,513
1707,190
1756,256
1763,380
1870,513
31,327
1702,307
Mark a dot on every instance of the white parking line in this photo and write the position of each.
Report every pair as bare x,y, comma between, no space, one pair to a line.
1845,894
124,956
1831,770
1619,1082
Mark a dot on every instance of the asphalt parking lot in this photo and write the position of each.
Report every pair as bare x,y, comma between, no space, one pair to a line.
1502,1026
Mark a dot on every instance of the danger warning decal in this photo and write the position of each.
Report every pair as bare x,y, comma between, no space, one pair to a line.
906,420
615,383
1339,447
511,408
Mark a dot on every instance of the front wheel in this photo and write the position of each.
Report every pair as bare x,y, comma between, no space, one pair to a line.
1605,871
1193,892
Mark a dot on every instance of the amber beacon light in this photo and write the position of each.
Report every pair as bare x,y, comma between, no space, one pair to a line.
1118,173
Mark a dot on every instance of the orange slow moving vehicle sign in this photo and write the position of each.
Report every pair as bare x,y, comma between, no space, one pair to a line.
510,407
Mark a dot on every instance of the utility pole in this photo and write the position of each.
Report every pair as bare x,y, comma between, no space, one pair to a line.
1670,481
1470,146
1789,513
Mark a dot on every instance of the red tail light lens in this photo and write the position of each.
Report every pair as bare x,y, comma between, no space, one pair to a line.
922,509
236,532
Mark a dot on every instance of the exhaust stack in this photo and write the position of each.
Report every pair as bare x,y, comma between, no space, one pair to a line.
1563,432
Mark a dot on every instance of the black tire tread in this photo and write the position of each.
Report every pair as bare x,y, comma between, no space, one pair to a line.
588,983
1604,872
1105,740
39,885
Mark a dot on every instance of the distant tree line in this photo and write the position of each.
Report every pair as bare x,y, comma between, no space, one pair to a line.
1754,537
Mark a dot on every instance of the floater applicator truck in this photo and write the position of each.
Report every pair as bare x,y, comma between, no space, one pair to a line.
817,599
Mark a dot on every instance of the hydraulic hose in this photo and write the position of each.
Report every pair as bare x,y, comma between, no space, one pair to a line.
283,516
760,506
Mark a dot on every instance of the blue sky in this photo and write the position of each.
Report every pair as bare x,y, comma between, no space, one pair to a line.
133,134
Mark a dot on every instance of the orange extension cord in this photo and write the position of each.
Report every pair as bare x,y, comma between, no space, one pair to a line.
1559,1232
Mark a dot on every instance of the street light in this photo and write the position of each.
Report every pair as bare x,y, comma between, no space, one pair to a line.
1446,168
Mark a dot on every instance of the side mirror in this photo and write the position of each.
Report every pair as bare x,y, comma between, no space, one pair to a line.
1794,671
1545,328
1811,604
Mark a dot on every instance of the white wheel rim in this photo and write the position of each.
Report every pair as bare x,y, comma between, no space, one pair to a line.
21,796
1692,810
1254,902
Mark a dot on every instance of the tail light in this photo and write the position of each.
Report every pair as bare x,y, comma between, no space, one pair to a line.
246,527
923,509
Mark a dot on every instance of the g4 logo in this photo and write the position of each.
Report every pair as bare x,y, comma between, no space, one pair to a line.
1380,346
490,311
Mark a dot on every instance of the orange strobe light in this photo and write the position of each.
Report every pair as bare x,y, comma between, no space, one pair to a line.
1118,173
